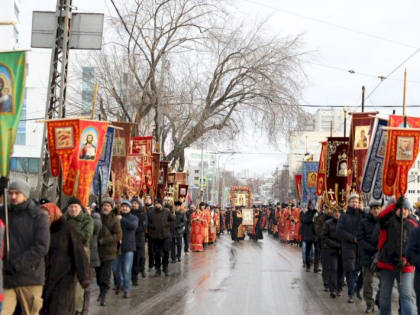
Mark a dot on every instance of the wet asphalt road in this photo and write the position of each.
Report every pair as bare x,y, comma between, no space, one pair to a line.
243,278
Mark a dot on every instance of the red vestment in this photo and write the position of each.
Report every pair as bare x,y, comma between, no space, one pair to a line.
197,231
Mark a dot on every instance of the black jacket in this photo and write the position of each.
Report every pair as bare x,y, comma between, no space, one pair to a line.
129,223
95,261
413,249
141,228
188,223
319,225
330,236
367,238
29,228
308,225
180,222
347,228
160,223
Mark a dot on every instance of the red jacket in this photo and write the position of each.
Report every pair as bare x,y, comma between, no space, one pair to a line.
389,244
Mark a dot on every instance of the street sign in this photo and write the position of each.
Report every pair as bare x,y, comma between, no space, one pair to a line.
86,30
202,182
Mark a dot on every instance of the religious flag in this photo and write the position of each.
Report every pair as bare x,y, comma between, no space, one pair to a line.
337,172
401,152
163,178
120,152
372,174
360,136
12,92
298,183
103,170
182,192
398,121
85,159
309,172
322,170
135,174
144,146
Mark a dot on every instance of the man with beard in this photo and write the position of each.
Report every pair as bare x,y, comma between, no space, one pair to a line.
320,220
367,239
140,253
347,228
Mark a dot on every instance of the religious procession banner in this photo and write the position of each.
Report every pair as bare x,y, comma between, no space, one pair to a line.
337,172
182,192
120,151
163,178
372,174
322,170
310,173
12,93
103,170
398,121
360,136
401,152
144,146
298,183
135,174
75,146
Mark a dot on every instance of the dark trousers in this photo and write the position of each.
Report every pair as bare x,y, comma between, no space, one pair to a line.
150,252
176,247
308,249
161,248
352,281
103,275
138,262
335,272
324,262
317,257
187,235
417,288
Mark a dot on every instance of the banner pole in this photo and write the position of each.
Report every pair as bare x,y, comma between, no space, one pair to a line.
95,93
401,210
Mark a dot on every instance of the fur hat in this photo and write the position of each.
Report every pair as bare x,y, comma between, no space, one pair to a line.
353,195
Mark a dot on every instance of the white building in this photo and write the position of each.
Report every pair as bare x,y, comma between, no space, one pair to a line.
27,149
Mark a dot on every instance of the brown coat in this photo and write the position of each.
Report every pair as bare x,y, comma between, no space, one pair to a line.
66,263
110,237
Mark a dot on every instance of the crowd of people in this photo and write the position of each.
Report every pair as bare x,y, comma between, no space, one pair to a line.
53,252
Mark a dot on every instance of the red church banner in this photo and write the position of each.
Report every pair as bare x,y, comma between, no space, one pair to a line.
322,169
360,135
401,152
398,121
135,174
298,183
144,146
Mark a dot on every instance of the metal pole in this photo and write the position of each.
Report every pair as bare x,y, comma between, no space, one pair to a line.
345,120
404,95
363,98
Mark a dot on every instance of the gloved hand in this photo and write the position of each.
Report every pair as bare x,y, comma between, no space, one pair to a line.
3,184
9,270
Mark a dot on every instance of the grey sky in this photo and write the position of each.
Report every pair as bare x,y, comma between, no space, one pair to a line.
370,37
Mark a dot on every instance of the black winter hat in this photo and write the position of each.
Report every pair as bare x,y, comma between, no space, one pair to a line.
74,200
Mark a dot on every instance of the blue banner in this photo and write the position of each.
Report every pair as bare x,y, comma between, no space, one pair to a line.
309,181
103,170
372,175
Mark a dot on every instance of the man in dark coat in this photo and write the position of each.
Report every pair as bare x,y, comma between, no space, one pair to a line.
319,224
178,232
308,232
140,253
123,264
109,239
187,232
228,219
347,228
392,262
236,222
29,240
66,263
159,231
334,259
413,256
367,239
149,208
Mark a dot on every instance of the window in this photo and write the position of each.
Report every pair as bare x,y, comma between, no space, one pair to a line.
197,171
21,131
25,165
196,178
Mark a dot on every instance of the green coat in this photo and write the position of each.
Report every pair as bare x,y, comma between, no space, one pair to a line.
83,224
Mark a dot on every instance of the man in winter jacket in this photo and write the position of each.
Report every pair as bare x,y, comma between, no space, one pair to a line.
178,232
140,253
367,239
319,224
347,228
392,263
83,224
308,233
123,264
187,232
109,239
159,222
334,261
149,208
29,241
413,256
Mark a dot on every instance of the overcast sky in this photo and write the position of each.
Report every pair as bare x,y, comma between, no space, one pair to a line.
371,38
